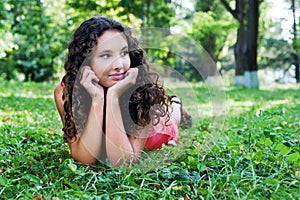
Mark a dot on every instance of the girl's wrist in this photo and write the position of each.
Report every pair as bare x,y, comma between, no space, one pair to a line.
98,100
112,93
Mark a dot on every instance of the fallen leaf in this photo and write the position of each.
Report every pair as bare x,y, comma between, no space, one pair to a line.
186,197
51,130
5,118
204,128
38,197
176,188
2,171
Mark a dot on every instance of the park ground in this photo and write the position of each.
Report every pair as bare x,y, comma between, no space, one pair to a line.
250,150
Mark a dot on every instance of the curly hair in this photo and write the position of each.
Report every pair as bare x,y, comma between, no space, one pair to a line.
144,103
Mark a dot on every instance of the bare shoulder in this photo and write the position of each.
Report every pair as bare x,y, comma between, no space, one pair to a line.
58,92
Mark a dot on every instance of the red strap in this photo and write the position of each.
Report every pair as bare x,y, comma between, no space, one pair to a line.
63,86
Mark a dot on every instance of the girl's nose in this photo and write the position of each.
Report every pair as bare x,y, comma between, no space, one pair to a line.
117,63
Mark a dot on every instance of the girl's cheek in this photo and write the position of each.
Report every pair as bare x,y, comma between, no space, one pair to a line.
128,63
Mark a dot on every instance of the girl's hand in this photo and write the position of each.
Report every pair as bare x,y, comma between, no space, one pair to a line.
89,81
128,81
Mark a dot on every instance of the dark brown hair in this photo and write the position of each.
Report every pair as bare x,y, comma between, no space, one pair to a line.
143,103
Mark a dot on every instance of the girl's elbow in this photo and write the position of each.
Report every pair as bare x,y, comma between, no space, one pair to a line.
86,160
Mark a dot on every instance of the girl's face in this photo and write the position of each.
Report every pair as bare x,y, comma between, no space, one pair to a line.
110,59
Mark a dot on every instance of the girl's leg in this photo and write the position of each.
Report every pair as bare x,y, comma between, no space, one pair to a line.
178,114
175,110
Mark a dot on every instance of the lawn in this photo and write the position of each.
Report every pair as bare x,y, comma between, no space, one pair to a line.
249,150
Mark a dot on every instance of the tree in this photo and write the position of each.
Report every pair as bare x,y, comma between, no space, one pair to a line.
79,11
155,17
296,44
36,43
206,27
277,54
210,27
6,44
279,51
239,14
250,73
245,48
152,13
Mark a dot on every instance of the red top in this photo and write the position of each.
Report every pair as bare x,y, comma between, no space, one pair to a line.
159,136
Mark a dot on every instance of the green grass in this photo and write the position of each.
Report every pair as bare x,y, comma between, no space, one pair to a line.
252,152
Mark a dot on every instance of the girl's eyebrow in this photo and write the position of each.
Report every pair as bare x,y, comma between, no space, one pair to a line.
125,47
109,51
105,51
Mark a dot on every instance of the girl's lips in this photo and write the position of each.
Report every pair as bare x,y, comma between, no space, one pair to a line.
117,77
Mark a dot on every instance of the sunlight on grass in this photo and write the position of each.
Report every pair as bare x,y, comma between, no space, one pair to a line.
28,90
279,86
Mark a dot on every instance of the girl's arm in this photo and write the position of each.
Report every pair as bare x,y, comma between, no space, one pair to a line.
87,146
119,146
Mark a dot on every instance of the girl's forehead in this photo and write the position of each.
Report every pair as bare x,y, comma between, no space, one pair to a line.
110,36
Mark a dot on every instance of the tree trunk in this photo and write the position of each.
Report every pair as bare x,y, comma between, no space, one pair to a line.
251,78
297,67
295,45
240,44
239,47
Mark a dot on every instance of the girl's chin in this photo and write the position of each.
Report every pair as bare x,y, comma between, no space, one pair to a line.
110,84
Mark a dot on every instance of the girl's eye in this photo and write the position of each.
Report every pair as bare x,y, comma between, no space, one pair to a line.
104,56
124,53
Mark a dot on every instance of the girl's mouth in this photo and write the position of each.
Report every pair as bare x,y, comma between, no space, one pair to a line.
117,77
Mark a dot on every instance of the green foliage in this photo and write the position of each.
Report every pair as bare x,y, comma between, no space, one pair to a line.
256,156
155,13
34,34
276,50
35,44
277,54
211,25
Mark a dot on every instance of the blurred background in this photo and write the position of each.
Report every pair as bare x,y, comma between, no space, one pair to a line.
248,40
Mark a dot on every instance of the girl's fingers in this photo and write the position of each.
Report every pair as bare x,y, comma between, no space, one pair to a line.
84,72
131,75
88,75
91,76
127,82
90,82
